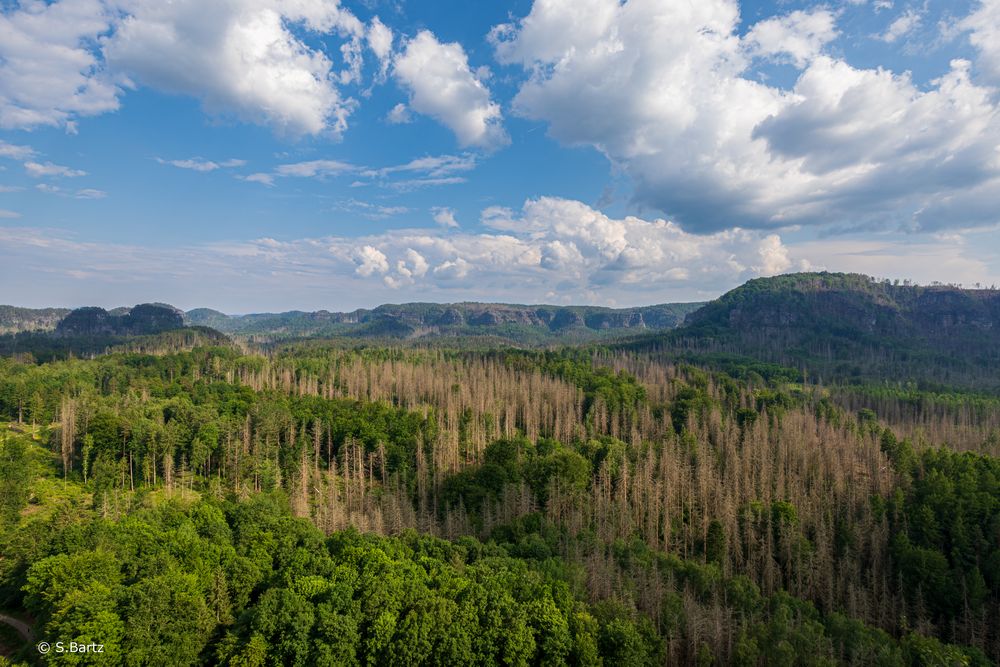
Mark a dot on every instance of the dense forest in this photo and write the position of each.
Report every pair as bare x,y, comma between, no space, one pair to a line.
326,503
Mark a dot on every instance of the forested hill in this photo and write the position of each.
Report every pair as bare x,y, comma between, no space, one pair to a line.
850,326
144,319
518,323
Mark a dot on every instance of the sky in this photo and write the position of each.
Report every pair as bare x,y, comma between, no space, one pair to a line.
265,155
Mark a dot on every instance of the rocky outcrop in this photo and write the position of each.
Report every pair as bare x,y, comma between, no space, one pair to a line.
15,320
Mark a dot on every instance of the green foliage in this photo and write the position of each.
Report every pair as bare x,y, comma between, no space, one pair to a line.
946,546
543,466
148,588
113,554
617,391
15,479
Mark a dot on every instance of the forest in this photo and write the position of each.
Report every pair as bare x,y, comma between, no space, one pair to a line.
371,505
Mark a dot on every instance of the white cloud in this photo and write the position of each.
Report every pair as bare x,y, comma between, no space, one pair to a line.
444,216
411,184
799,35
46,169
314,168
240,57
409,269
49,72
16,152
904,24
431,165
83,193
442,85
10,215
984,26
665,91
369,210
370,261
259,177
380,38
66,59
430,170
399,115
198,164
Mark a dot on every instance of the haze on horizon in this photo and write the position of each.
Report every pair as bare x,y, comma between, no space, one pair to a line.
336,155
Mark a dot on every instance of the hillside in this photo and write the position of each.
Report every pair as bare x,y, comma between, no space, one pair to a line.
518,323
844,326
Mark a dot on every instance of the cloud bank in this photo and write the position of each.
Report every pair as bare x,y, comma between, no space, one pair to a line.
551,250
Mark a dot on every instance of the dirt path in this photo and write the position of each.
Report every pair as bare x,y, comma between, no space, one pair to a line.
22,628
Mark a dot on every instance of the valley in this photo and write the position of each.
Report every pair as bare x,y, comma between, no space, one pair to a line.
700,496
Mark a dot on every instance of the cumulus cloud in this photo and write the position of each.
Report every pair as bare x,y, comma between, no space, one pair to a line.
380,38
399,115
666,91
444,216
250,59
49,71
557,242
984,27
240,57
370,261
48,169
561,242
799,36
442,85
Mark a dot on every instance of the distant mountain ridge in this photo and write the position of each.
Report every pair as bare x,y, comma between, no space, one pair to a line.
428,319
146,328
521,324
14,319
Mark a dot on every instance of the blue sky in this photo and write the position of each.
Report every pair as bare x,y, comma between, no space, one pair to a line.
253,155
